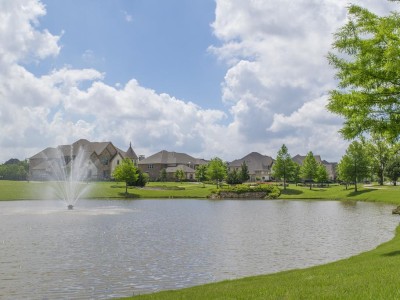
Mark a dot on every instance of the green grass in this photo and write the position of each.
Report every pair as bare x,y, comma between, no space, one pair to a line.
23,190
371,275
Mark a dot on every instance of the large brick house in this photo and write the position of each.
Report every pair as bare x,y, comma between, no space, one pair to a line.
259,166
99,159
170,161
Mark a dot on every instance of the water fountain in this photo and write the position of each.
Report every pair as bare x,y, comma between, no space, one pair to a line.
69,173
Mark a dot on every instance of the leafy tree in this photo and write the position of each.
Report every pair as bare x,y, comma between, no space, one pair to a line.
216,170
283,166
322,174
367,64
126,172
244,173
142,179
296,172
163,175
354,165
14,169
179,175
378,150
201,173
234,177
309,168
393,169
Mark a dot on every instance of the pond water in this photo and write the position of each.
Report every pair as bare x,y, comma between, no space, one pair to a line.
104,249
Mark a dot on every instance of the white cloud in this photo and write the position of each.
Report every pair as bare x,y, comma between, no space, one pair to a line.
274,88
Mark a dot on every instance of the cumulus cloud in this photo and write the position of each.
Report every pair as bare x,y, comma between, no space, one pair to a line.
274,88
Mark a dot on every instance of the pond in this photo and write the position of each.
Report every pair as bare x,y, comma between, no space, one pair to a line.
104,249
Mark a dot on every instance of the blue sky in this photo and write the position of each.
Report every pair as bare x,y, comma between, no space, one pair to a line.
162,44
206,77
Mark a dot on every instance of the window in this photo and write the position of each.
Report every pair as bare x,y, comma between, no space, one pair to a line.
150,166
117,161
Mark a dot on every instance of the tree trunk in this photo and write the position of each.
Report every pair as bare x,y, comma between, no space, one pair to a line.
355,186
126,189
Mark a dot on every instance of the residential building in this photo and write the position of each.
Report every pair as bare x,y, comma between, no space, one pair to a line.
99,159
259,166
330,167
170,161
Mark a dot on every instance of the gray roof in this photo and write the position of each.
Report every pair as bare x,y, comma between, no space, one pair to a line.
185,169
300,158
171,158
130,153
254,161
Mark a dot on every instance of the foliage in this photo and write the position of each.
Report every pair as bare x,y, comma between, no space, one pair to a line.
271,190
201,173
354,165
322,174
393,169
14,169
216,170
125,172
163,175
378,151
309,168
233,177
367,64
244,173
142,179
179,175
283,166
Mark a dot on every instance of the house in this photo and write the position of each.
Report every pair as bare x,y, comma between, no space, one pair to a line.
97,159
330,167
170,161
259,166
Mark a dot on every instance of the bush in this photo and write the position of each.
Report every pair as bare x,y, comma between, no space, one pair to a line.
272,191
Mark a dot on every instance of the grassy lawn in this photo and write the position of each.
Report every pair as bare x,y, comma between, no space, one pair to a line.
23,190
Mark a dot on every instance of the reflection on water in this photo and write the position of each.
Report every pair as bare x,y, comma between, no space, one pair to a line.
105,249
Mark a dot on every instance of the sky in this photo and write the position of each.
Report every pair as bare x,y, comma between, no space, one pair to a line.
205,77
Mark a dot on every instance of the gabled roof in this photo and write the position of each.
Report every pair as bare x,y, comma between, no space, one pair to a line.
300,158
47,153
185,169
130,153
171,158
254,161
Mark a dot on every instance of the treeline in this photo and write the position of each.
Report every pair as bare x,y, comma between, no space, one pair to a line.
14,169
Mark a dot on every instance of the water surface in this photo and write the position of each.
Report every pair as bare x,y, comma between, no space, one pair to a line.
104,249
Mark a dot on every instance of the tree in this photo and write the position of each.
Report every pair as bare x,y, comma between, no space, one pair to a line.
283,166
163,175
309,168
179,175
367,64
354,165
216,170
244,173
393,169
142,179
201,173
378,151
126,172
322,174
234,177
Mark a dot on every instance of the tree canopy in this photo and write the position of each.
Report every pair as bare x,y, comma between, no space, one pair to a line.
283,166
126,172
367,61
309,168
216,170
354,165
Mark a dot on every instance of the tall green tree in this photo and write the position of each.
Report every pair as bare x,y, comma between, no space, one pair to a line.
322,175
163,175
179,175
201,173
379,152
126,171
233,177
367,62
283,166
354,165
244,172
309,168
216,170
392,170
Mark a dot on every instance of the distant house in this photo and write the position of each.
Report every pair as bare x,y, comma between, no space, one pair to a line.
330,167
170,161
259,166
99,159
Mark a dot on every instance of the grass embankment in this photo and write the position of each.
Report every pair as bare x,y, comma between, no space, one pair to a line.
23,190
